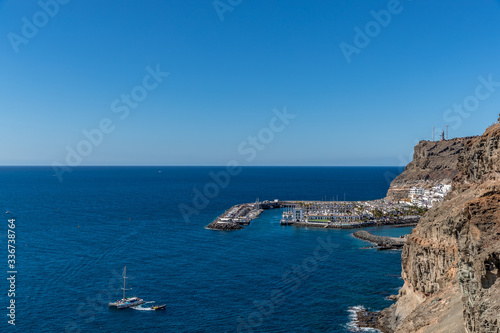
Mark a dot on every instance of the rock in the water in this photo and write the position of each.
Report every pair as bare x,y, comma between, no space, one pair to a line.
223,226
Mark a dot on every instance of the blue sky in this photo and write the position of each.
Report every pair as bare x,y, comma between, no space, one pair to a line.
227,76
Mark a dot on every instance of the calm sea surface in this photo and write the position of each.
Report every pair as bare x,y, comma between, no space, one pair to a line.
74,237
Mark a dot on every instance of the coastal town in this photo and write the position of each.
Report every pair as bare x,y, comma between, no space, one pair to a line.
337,214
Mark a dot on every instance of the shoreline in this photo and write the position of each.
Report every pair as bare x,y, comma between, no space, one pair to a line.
361,226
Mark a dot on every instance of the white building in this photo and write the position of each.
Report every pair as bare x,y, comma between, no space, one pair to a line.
297,215
417,191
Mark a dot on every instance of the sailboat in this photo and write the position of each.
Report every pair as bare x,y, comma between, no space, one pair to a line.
126,302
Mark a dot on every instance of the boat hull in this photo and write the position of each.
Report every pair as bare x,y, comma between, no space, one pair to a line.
159,307
127,303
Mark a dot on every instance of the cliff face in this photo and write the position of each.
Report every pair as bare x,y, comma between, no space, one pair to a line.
479,232
451,261
434,162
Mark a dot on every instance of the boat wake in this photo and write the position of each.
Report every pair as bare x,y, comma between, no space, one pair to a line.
140,307
353,324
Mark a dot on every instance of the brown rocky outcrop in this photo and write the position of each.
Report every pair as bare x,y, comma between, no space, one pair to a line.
215,225
434,162
451,261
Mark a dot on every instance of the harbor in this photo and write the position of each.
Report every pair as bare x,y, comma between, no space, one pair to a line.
322,214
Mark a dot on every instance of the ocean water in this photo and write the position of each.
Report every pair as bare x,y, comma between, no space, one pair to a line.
74,237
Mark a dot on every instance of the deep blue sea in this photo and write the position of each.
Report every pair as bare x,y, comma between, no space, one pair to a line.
74,237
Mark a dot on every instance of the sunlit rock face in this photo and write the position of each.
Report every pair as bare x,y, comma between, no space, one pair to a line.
451,261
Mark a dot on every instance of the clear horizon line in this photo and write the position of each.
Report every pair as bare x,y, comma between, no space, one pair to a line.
204,165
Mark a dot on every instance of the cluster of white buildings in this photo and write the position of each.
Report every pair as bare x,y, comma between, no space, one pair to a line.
426,198
385,207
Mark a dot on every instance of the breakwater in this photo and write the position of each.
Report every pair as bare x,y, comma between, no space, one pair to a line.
215,225
382,242
237,216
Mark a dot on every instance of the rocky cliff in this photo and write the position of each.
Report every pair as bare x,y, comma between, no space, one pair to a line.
451,261
434,162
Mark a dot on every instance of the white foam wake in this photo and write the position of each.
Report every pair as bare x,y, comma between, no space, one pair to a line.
141,308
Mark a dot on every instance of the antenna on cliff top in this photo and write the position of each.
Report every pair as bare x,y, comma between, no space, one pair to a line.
447,131
433,133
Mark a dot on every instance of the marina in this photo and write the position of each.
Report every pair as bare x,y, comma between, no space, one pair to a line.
323,214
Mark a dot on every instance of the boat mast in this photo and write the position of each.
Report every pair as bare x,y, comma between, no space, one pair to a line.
124,281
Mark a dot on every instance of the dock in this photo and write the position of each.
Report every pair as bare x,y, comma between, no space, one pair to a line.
240,215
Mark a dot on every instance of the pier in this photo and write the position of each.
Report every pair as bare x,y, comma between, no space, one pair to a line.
321,214
237,216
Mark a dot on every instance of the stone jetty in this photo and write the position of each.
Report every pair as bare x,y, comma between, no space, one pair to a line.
382,242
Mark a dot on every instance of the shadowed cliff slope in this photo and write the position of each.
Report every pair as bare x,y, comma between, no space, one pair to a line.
451,261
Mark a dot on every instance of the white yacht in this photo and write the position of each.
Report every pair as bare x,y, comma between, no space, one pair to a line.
126,302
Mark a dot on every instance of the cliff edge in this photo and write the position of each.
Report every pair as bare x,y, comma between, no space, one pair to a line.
451,261
434,162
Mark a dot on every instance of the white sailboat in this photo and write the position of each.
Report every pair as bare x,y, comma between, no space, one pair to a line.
126,302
